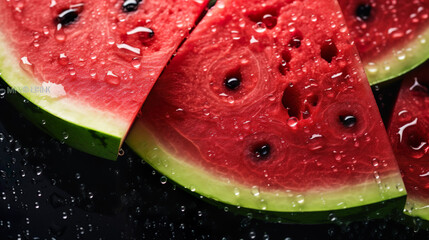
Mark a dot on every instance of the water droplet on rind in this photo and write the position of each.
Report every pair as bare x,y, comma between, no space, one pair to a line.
236,192
255,191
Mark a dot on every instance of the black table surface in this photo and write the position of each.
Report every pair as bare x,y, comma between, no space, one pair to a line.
50,191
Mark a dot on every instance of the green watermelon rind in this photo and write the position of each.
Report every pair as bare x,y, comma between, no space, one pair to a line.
204,183
80,126
417,207
399,61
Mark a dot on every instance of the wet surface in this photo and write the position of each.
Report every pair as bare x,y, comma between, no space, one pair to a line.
50,191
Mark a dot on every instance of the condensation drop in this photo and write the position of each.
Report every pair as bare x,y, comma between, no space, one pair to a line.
255,191
163,179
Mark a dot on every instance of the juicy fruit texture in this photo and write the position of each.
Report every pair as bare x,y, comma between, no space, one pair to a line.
391,36
409,135
266,106
99,60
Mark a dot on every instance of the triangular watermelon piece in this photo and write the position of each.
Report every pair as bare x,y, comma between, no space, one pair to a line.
89,64
408,131
266,106
392,37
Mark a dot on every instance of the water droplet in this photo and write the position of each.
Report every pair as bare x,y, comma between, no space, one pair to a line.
121,152
230,99
260,27
300,199
136,62
401,57
377,177
93,73
235,35
316,142
63,59
372,68
25,61
65,135
332,217
38,170
271,98
112,78
292,122
59,34
269,20
375,162
46,30
400,187
253,40
263,204
163,179
236,192
255,191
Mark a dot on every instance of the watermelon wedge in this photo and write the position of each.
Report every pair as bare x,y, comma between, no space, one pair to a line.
392,37
266,107
408,131
89,65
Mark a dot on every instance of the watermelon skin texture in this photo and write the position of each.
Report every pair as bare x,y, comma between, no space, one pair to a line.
391,36
299,75
99,67
408,132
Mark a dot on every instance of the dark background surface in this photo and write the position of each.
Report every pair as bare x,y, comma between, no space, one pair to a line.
50,191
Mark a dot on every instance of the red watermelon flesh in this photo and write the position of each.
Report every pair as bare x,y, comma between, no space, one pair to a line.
390,35
409,135
105,57
267,102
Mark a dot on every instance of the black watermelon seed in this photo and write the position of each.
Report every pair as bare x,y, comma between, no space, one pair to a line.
232,83
211,3
363,11
348,121
67,16
262,151
130,5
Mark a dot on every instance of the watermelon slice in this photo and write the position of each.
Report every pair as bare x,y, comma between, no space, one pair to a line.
89,65
408,131
266,106
392,37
